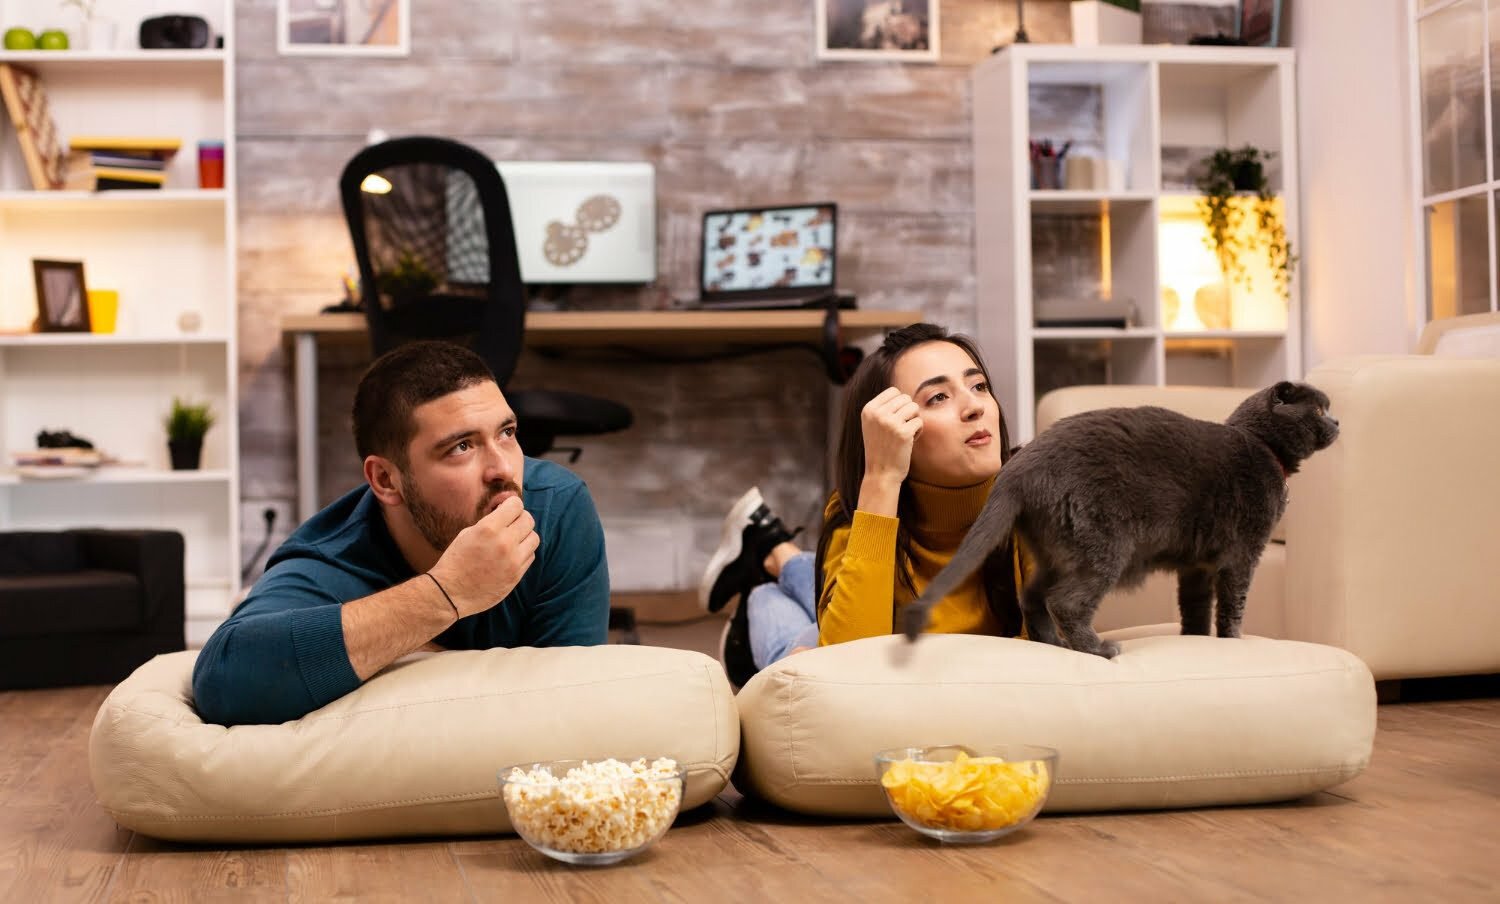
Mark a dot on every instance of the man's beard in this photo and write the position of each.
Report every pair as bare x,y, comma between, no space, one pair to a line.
438,527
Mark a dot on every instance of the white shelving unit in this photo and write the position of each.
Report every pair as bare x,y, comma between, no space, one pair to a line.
167,252
1135,106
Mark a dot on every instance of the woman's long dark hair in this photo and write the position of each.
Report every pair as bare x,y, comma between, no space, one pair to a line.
871,378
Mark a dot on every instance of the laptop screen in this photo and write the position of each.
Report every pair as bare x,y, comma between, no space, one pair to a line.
767,252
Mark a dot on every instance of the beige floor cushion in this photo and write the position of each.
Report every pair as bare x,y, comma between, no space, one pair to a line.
414,751
1171,722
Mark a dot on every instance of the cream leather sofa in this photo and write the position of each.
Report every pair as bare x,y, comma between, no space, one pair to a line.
1387,547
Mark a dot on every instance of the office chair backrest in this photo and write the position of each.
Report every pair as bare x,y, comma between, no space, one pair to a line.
431,227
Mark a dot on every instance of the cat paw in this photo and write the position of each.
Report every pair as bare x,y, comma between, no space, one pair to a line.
913,621
1108,649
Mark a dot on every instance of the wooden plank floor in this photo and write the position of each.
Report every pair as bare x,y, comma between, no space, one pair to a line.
1419,825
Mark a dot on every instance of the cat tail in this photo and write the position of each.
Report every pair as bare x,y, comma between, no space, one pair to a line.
988,531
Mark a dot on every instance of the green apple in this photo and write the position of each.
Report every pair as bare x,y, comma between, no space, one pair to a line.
19,39
52,39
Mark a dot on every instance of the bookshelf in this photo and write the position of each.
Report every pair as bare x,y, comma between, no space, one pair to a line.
1133,233
169,253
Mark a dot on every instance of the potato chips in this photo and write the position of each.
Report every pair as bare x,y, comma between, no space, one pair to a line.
969,794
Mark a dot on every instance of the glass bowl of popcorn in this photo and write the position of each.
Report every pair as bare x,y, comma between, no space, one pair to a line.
954,793
592,812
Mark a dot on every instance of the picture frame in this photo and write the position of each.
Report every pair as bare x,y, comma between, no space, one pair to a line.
62,298
379,28
891,30
1258,22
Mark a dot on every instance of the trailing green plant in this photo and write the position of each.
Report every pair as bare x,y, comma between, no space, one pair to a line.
188,422
1131,5
1230,174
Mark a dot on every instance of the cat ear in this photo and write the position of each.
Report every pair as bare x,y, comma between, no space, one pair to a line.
1282,395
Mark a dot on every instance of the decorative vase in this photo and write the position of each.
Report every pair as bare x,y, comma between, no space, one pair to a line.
186,453
99,34
1212,304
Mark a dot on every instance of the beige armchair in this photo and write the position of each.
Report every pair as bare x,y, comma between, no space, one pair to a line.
1469,336
1386,546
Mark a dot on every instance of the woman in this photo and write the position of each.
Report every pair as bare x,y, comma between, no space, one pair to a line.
921,443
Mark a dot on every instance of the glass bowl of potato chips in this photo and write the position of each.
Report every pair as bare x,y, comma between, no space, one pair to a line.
955,793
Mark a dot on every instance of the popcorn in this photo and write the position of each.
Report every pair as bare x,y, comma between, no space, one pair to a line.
969,794
597,807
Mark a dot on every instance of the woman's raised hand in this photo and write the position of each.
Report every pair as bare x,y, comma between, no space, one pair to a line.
890,423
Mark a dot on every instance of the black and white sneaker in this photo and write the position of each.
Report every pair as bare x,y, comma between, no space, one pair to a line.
749,534
734,645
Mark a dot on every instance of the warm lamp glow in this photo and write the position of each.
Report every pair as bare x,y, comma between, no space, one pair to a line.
1442,251
1186,267
375,184
1106,270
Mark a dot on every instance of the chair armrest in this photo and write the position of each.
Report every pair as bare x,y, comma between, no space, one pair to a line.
1390,537
155,557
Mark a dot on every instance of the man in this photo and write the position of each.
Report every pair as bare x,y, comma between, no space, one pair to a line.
457,539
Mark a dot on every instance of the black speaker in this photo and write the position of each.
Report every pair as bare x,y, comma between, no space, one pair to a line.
174,33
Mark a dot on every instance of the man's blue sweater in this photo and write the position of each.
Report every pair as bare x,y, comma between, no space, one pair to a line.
281,655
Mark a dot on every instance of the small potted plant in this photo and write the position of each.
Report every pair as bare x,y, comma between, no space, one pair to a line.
1233,183
409,280
186,426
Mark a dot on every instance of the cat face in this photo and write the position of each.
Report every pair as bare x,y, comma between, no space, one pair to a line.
1291,418
959,444
1303,411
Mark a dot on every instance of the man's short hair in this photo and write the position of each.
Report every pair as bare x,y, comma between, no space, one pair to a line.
400,380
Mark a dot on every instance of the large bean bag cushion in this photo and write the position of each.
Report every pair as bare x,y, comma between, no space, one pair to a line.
1172,721
414,751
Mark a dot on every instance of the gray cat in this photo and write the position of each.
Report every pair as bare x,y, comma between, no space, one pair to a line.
1103,498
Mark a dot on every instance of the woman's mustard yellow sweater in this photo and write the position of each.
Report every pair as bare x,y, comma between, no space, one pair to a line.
860,593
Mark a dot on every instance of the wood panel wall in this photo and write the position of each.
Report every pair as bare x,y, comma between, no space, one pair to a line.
728,101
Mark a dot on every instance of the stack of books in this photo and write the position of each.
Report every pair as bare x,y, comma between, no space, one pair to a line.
45,464
120,162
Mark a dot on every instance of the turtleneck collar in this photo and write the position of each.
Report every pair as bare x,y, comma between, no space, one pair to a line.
941,511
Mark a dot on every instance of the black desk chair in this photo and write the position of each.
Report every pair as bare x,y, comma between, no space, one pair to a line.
431,227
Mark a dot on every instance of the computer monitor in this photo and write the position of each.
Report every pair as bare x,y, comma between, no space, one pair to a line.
768,252
583,221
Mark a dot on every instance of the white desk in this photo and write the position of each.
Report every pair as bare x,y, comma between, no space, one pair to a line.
576,329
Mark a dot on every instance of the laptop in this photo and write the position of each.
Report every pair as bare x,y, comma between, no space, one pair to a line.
769,257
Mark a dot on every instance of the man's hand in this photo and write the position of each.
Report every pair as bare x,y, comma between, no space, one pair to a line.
486,560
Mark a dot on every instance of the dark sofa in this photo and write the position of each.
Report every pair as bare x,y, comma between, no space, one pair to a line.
87,606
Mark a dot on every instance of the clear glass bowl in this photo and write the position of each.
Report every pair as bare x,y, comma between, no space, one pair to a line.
592,812
958,794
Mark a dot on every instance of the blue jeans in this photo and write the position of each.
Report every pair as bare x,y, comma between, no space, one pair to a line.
782,615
